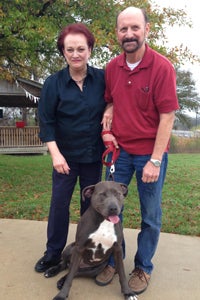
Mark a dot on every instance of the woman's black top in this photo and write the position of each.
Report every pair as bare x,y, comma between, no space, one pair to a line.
71,117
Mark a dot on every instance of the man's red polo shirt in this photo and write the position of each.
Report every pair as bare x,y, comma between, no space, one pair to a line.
139,96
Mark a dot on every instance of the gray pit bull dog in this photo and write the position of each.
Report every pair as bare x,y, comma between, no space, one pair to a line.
99,234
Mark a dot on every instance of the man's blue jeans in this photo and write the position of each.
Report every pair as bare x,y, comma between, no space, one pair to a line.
150,196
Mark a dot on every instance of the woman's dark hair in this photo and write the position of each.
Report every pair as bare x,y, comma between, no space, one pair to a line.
77,28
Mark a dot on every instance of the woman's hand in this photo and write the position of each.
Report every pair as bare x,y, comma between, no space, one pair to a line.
59,162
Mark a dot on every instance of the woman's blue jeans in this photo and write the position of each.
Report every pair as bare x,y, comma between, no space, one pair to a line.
150,197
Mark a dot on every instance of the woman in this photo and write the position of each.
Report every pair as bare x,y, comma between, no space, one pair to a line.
70,112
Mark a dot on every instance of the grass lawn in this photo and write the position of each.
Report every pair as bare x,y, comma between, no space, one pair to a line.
25,192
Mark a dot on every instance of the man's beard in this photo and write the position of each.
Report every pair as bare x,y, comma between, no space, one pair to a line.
133,48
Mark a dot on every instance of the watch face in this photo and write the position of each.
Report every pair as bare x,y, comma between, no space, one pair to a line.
155,162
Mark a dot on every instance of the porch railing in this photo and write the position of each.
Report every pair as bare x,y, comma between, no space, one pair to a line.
25,139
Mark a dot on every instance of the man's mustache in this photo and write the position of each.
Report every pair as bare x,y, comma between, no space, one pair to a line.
129,40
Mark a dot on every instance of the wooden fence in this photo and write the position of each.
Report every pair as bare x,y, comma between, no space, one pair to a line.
20,140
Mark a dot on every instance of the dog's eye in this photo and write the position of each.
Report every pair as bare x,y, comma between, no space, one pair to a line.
115,193
102,197
102,194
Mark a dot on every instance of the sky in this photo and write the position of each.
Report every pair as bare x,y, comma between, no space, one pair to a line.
184,35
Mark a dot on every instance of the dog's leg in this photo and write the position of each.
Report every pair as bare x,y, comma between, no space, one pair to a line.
74,264
125,289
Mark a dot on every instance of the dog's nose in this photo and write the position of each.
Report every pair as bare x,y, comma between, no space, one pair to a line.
113,210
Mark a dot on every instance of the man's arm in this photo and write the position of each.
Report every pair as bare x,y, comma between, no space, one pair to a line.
107,135
163,134
107,117
150,172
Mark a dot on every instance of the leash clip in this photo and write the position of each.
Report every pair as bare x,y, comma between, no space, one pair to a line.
111,172
112,169
115,153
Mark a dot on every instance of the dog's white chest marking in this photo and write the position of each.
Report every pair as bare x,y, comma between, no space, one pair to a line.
104,235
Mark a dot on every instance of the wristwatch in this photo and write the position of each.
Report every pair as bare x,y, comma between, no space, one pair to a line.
155,162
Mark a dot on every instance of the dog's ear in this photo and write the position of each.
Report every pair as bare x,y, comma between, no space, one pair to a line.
87,192
124,189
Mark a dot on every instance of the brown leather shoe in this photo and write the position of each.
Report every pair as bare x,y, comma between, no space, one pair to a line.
139,281
106,276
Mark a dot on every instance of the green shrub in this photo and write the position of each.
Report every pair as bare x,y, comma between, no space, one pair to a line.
184,145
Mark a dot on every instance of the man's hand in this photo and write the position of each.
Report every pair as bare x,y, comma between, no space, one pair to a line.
150,173
109,137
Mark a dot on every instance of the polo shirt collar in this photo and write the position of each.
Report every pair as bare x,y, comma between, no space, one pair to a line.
145,62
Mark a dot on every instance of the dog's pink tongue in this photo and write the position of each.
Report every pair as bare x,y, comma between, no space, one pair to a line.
113,219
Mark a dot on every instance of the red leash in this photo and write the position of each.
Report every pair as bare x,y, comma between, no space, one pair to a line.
110,147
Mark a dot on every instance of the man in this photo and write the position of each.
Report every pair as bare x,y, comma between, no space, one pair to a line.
141,90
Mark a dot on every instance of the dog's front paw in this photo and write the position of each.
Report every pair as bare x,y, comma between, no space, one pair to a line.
130,296
51,272
60,282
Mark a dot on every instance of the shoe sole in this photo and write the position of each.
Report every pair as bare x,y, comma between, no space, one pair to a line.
139,292
103,283
40,270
